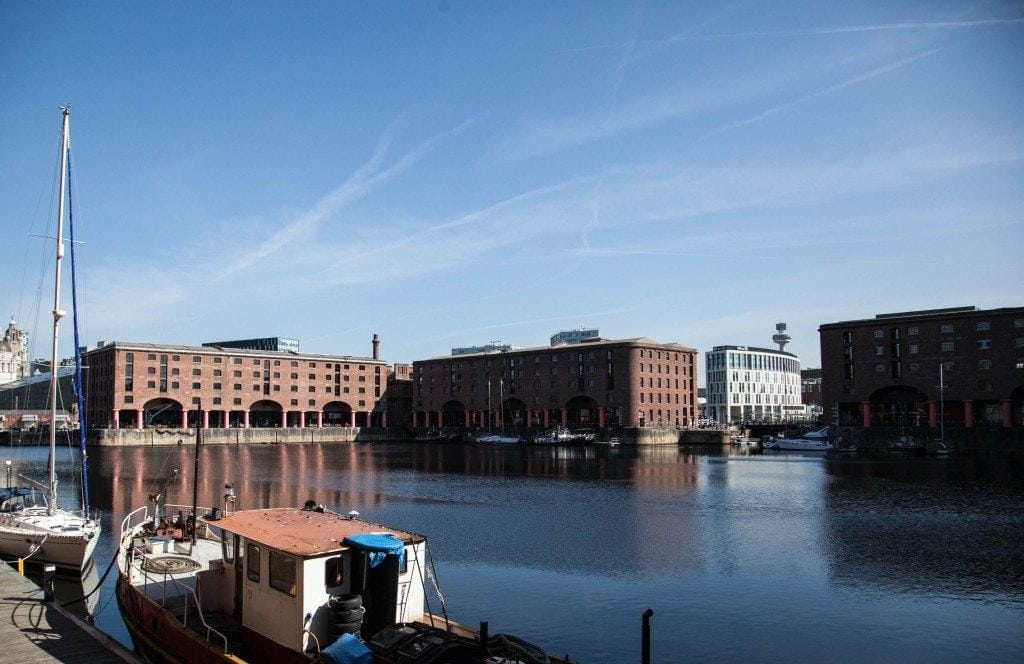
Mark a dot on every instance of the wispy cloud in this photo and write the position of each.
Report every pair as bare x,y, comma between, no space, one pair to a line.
854,80
910,26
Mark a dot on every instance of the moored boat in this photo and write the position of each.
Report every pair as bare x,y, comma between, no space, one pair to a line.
285,585
812,441
32,525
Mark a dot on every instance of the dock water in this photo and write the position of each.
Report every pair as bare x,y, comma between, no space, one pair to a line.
33,631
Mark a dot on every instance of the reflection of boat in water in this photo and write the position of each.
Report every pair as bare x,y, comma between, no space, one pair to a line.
77,592
288,585
812,441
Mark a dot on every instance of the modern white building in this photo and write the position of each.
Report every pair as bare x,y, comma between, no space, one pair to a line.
752,384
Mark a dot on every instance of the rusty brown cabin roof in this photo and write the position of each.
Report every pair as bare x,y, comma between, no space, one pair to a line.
300,532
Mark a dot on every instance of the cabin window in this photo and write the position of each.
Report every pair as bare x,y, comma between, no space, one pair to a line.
252,566
227,547
282,572
334,572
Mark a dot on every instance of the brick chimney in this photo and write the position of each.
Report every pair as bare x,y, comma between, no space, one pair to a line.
376,347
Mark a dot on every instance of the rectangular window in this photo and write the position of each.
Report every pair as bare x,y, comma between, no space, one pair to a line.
252,564
879,368
984,364
879,334
984,344
982,326
913,349
879,351
334,572
947,347
912,331
946,328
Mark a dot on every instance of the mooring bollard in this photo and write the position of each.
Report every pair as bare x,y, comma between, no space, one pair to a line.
645,639
49,582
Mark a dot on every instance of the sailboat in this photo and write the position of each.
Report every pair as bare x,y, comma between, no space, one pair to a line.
32,526
497,436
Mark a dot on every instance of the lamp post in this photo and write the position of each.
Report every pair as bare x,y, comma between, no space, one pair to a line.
8,473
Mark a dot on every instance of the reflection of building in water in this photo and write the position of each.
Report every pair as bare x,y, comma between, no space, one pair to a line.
925,528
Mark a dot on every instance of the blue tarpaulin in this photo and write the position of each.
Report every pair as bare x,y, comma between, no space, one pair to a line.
378,546
347,650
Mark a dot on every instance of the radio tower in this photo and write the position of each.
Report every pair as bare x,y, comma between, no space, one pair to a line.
780,337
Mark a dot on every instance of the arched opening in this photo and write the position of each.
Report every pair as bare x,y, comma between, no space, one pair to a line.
161,413
337,414
265,414
582,412
513,412
899,406
453,414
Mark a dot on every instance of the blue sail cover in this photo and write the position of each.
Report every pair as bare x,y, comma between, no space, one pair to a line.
378,546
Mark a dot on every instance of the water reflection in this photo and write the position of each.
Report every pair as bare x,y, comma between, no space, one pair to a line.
933,527
742,556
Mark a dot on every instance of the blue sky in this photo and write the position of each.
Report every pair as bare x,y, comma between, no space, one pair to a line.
451,173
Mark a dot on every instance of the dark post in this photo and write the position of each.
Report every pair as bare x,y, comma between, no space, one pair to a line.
195,474
49,582
645,639
483,638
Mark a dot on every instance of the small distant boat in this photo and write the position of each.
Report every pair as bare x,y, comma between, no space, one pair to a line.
564,436
499,439
812,441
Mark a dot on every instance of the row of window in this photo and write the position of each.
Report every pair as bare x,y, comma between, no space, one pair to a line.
129,358
238,402
944,328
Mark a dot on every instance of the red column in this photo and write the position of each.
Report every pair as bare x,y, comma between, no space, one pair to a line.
352,419
320,419
565,417
1007,414
466,419
139,417
302,419
968,413
225,419
547,418
865,414
529,418
206,419
184,419
117,418
384,418
600,417
245,419
933,415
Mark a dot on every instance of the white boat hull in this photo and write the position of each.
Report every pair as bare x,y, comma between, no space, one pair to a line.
798,444
64,539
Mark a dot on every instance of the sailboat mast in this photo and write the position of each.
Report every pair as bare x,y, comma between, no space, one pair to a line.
58,313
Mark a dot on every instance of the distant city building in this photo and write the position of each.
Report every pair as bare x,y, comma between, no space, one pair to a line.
810,391
26,401
13,354
266,343
598,383
492,347
135,385
574,336
752,384
885,371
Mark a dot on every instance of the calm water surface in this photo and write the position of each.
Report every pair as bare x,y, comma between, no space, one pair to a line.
758,558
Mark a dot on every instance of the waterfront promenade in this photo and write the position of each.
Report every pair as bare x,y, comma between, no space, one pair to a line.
34,631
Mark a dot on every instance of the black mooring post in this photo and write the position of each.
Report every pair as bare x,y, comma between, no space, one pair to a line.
483,638
645,639
49,583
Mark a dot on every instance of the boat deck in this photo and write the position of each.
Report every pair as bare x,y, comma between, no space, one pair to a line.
33,631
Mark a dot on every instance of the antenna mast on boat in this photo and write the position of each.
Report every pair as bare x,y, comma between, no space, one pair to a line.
58,313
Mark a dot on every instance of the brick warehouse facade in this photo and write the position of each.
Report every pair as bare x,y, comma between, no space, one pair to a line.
884,371
138,385
599,383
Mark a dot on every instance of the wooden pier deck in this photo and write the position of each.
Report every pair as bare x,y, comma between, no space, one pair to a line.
33,631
